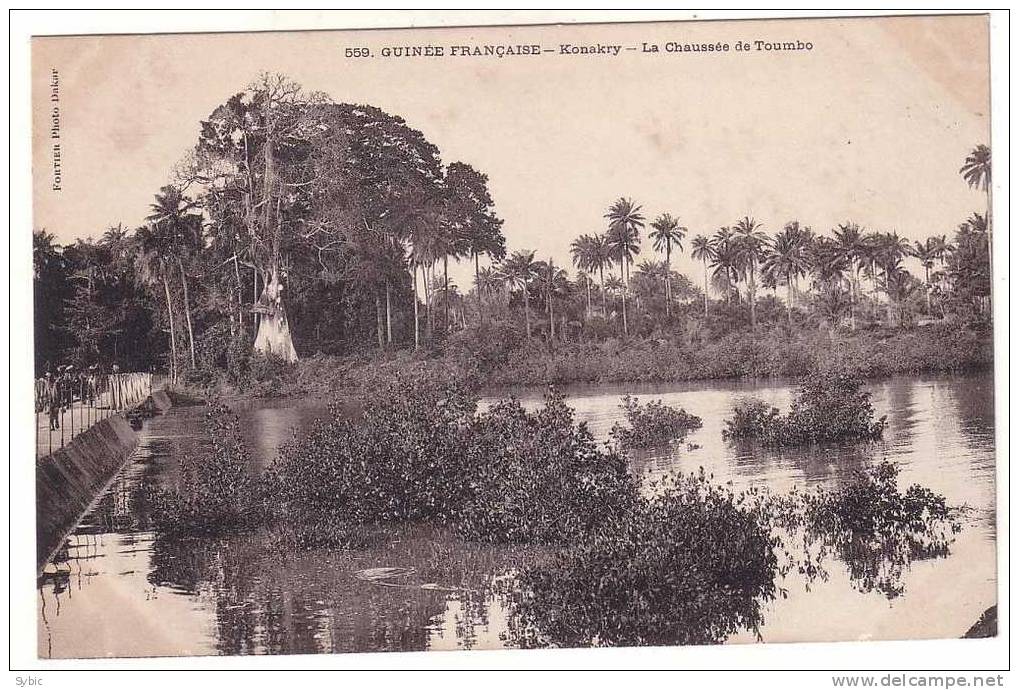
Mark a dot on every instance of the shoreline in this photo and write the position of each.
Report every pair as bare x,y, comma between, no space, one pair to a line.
489,387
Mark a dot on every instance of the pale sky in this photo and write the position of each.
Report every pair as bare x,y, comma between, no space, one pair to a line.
870,125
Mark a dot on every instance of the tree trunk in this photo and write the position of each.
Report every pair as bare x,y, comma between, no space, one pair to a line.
187,311
254,298
990,243
890,313
587,284
752,296
173,331
789,299
705,262
477,286
428,301
445,290
551,316
927,282
240,293
668,279
417,326
604,311
389,315
622,265
527,311
852,307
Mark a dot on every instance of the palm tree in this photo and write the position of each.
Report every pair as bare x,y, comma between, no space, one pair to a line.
725,263
519,269
750,245
614,285
703,252
601,254
666,231
976,170
786,261
152,266
891,249
625,222
553,281
850,242
487,281
927,252
447,244
171,214
870,257
585,258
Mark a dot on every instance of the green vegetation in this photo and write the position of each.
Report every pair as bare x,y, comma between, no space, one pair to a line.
494,354
830,407
691,565
331,225
652,423
419,450
215,491
877,530
685,561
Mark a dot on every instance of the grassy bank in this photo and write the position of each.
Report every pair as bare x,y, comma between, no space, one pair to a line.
492,356
869,354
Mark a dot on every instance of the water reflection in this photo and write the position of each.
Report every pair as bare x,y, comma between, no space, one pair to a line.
275,601
116,588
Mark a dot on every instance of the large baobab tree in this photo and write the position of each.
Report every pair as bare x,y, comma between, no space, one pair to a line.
257,147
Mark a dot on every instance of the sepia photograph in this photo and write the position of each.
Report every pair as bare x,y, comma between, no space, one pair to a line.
514,337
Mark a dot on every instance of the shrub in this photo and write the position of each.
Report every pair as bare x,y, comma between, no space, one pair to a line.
830,407
267,373
401,460
751,418
878,530
420,451
483,346
215,490
539,477
691,565
652,424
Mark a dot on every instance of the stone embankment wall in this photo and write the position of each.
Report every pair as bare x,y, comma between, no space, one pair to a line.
69,480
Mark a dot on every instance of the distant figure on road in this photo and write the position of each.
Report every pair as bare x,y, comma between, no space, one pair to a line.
53,400
92,384
116,394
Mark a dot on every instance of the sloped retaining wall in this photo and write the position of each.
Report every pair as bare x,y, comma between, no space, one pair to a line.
68,480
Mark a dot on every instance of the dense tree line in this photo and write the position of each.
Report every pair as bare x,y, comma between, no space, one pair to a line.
351,216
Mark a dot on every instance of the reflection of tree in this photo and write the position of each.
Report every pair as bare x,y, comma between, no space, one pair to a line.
900,395
876,530
271,599
816,464
878,562
972,398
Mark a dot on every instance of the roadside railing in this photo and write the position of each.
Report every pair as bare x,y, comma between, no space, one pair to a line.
68,404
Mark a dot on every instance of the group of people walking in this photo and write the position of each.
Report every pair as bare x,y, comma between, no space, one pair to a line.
61,388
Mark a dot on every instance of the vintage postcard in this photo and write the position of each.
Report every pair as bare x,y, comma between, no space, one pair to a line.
529,336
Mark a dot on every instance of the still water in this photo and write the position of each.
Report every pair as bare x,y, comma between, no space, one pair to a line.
116,589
